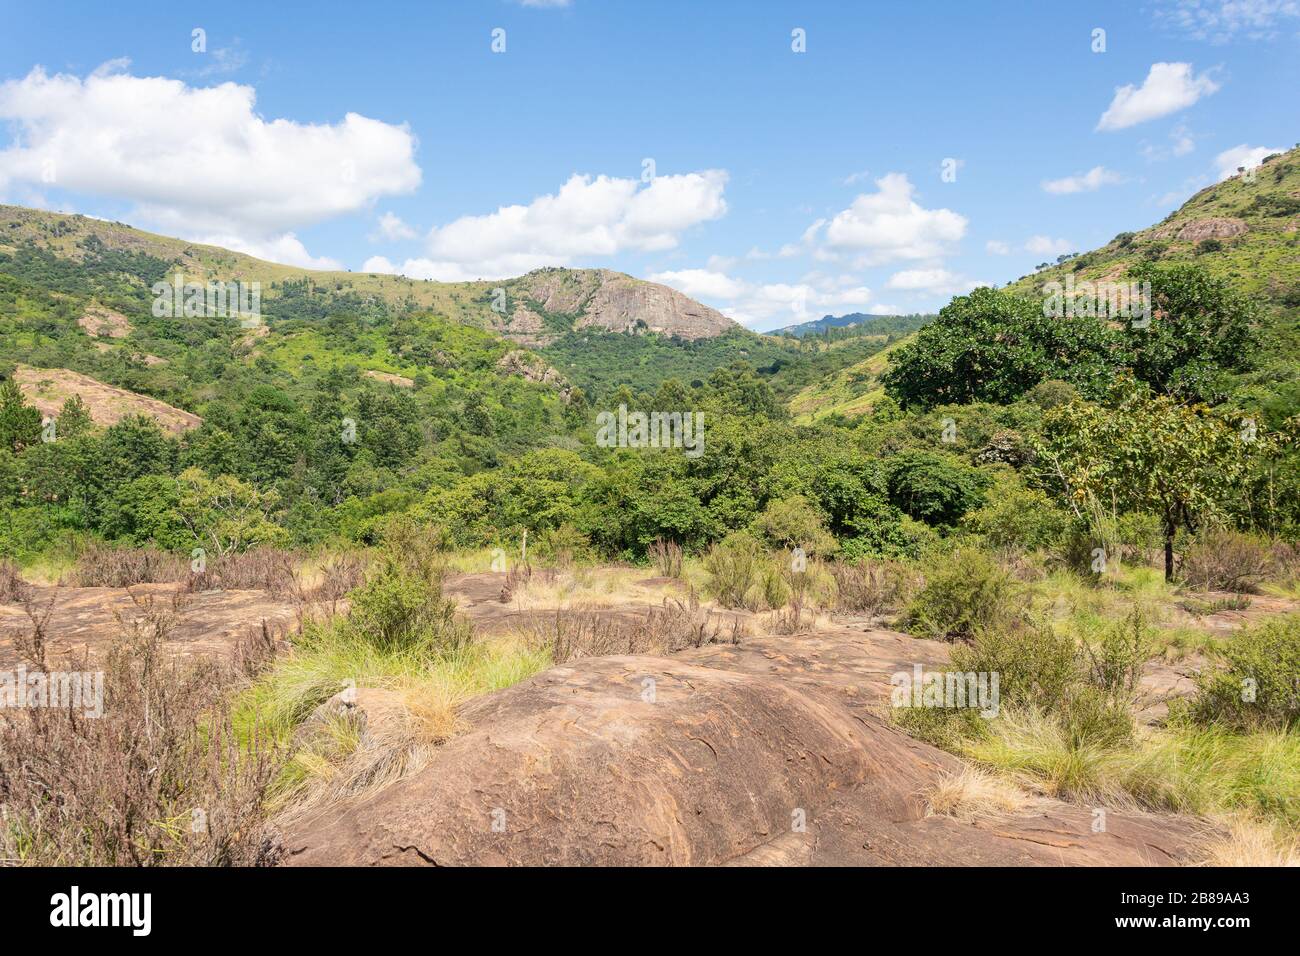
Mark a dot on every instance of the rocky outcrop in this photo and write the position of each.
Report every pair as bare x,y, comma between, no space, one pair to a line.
529,366
602,299
656,761
1194,230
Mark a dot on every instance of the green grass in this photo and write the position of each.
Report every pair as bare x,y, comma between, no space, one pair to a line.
1181,768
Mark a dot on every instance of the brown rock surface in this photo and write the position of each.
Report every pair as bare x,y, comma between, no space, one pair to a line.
654,761
90,619
48,388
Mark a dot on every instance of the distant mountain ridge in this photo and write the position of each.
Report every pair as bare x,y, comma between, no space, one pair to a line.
535,309
869,322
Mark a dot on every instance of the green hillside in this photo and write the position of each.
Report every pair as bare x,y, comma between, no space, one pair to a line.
1245,229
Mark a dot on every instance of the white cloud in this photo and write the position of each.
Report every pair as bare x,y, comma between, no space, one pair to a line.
380,264
286,249
1087,182
588,216
1229,160
857,177
393,229
1047,246
933,281
199,162
701,283
1182,143
1168,88
782,303
886,226
996,247
1222,20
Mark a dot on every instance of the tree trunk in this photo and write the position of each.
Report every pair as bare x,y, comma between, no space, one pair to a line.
1169,554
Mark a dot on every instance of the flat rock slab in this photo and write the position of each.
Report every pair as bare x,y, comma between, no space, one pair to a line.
656,761
89,619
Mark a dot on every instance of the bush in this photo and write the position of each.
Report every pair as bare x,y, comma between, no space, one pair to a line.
564,545
934,488
1036,667
12,585
666,556
733,566
1256,686
1226,560
127,788
1018,518
103,566
794,523
897,536
872,586
743,575
965,592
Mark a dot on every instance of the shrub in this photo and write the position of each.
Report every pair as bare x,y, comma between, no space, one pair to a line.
964,592
563,545
12,585
1226,560
1036,667
872,586
897,536
934,488
794,523
126,789
666,556
402,608
1018,518
1256,685
103,566
735,570
1115,663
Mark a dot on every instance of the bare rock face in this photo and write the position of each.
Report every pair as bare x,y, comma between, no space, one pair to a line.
655,761
601,299
1194,230
529,366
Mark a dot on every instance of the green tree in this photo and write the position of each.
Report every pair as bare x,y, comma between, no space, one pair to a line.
1149,453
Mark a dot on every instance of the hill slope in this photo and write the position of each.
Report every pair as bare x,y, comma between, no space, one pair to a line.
536,308
1245,229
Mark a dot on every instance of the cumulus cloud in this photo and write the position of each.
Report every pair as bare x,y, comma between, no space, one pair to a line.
773,303
701,283
886,226
588,216
1229,160
391,228
933,281
198,162
1087,182
1168,88
1047,246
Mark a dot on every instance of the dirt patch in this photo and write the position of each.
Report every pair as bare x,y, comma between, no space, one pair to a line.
401,381
90,619
102,322
49,388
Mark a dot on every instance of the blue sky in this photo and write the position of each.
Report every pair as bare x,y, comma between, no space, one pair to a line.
783,186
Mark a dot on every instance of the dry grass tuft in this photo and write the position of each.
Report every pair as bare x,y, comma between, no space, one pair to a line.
973,793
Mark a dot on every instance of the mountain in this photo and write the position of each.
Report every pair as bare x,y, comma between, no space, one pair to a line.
1245,229
860,321
534,309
